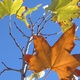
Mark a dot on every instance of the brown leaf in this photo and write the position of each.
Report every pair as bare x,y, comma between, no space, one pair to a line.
77,57
77,72
57,57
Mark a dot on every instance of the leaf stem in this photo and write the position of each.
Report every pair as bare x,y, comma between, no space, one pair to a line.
10,21
47,74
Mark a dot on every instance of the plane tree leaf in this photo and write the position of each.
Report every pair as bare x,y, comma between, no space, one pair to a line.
26,13
64,11
9,7
56,57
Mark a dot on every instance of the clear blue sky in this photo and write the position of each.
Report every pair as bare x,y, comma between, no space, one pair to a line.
10,54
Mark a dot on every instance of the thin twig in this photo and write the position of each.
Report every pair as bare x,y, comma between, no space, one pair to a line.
20,30
8,69
33,51
28,43
38,29
30,20
47,74
25,65
21,49
32,27
45,21
37,22
50,34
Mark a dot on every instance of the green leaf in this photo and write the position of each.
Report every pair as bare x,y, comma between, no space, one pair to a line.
27,12
30,10
9,7
16,5
64,11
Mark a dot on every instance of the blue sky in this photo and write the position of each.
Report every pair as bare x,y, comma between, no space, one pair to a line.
10,54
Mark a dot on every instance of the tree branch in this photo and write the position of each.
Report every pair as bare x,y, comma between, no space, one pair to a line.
45,21
21,49
20,30
8,69
50,34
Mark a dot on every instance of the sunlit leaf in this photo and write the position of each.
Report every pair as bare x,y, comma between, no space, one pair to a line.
27,12
57,57
64,11
9,7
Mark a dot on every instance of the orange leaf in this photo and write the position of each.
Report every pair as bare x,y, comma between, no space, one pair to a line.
57,57
77,72
27,57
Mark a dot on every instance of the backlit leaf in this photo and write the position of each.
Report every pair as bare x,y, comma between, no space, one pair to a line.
57,57
64,11
9,7
27,12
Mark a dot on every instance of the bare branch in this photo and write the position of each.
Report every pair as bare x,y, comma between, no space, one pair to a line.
38,29
37,21
20,30
32,26
45,21
28,43
30,20
21,49
8,69
50,34
47,74
33,51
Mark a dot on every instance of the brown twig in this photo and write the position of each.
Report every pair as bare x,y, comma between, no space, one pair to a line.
21,30
45,21
26,51
30,20
38,27
33,51
8,69
50,34
21,49
47,74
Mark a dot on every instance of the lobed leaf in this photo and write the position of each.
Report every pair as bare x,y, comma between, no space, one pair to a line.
64,11
27,12
57,57
9,7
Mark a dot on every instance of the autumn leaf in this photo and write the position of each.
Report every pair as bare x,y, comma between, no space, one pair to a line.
10,7
27,57
64,11
22,16
57,57
77,71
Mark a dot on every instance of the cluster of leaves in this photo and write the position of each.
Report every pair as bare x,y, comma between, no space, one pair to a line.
56,57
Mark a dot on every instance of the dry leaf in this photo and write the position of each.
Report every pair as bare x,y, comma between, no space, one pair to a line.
57,57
